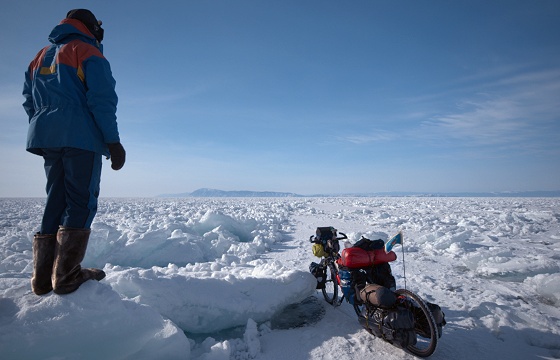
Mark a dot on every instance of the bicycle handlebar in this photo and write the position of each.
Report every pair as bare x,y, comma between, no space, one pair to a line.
311,238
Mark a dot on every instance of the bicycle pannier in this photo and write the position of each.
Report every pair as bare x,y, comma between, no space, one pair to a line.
401,322
395,326
423,326
319,271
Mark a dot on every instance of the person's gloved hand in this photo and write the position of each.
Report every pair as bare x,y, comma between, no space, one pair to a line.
118,155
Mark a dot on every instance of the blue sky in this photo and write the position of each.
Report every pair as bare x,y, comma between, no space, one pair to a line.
310,96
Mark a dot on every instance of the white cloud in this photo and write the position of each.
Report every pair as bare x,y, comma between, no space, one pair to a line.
514,109
372,136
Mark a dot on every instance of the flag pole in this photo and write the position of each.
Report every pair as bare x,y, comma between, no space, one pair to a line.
403,263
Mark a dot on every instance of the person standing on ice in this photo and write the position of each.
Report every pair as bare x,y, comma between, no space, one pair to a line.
71,102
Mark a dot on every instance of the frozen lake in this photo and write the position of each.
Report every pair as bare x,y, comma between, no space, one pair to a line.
212,278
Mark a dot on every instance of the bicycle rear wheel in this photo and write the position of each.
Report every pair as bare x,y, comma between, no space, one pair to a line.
425,325
330,291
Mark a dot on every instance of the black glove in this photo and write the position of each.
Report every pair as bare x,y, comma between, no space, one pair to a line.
118,155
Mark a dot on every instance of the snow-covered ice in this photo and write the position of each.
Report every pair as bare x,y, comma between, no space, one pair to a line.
209,278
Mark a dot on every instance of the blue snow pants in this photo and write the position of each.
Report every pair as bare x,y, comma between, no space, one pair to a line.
73,178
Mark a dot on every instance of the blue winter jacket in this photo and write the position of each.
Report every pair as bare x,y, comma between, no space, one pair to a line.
70,94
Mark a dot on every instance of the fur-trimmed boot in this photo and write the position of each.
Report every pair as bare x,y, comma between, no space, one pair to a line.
43,259
68,275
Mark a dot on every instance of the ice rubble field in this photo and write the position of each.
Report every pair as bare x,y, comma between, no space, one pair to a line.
214,278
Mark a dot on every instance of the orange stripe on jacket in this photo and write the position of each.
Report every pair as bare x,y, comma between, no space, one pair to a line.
72,54
37,61
75,53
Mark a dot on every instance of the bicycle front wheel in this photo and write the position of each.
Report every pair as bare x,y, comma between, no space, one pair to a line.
330,290
425,325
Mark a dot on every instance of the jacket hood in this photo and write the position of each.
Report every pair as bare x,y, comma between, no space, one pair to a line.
70,29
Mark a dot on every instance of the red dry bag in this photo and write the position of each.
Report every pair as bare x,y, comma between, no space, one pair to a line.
356,257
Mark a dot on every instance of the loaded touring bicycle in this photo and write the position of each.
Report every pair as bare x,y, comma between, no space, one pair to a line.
362,276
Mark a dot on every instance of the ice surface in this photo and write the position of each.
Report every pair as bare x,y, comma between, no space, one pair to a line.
214,278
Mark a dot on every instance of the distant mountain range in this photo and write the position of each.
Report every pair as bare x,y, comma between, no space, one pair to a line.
246,193
237,193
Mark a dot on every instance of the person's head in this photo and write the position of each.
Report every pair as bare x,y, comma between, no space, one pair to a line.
89,20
